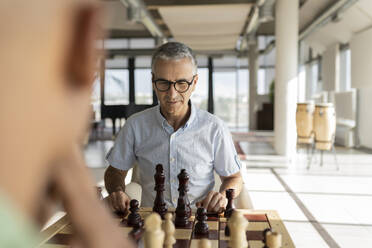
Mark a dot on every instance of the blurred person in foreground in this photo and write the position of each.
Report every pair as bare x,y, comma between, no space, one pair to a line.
47,62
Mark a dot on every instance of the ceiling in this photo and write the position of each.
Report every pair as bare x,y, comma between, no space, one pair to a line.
217,24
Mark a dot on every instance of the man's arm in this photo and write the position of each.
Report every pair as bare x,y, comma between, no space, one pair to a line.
115,186
216,201
233,181
76,189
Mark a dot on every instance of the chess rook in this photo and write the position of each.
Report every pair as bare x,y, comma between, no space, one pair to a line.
229,206
183,210
159,204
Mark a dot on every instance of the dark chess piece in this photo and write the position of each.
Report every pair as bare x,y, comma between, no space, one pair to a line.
134,218
201,226
229,206
183,210
159,205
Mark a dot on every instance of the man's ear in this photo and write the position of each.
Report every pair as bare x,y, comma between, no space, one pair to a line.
82,54
196,78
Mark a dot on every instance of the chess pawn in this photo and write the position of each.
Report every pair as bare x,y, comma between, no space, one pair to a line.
169,230
204,243
201,226
134,218
273,240
238,225
154,236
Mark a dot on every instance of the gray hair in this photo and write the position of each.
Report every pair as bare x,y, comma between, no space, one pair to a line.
174,51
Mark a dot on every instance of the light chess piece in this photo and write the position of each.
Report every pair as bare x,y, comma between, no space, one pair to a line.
238,225
169,230
154,236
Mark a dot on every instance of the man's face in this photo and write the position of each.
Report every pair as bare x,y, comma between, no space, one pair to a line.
171,101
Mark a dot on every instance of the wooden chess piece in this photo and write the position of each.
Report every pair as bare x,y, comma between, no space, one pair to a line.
134,218
153,236
183,210
273,240
229,208
238,225
159,204
204,243
267,230
169,230
201,226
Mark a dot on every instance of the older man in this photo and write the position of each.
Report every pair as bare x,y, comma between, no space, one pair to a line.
47,64
176,134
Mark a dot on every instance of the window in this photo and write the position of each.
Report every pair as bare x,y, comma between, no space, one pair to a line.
345,67
116,86
200,95
96,97
224,96
143,87
242,100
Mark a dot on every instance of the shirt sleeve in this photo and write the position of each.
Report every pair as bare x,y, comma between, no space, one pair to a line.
226,160
122,156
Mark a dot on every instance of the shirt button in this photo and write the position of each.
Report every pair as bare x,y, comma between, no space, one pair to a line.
171,160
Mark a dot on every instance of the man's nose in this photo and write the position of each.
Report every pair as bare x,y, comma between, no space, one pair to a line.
172,92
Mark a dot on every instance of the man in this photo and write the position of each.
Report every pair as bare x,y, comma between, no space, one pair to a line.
177,135
47,59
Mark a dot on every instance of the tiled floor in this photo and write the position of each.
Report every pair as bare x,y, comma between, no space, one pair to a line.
321,207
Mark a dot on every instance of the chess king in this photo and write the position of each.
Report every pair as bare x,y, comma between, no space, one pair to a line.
176,134
47,65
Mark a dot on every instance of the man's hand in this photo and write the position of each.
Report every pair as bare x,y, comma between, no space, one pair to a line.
119,201
213,202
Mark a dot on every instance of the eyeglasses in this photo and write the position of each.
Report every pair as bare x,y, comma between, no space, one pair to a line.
180,86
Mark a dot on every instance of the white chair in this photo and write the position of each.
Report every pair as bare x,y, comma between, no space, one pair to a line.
134,190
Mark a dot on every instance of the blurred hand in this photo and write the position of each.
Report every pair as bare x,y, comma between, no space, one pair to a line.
93,225
213,202
119,201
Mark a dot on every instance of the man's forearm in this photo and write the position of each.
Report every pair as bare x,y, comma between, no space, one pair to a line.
114,180
231,183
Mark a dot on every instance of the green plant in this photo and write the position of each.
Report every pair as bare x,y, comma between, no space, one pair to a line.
272,92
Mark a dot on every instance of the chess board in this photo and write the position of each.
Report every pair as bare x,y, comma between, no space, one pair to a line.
59,234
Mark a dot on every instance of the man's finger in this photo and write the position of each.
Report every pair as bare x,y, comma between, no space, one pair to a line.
113,202
205,203
214,202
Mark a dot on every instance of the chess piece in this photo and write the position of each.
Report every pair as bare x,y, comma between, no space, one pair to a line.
273,240
153,236
159,204
229,206
201,226
267,230
204,243
183,210
134,218
169,230
227,229
238,225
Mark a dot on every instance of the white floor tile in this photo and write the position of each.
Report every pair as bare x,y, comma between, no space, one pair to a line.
304,235
264,182
350,236
279,201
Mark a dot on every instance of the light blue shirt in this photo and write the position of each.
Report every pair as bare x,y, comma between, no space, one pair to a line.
201,146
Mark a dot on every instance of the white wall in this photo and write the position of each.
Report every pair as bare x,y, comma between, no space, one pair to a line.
361,78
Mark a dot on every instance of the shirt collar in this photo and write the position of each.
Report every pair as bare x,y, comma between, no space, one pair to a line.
163,122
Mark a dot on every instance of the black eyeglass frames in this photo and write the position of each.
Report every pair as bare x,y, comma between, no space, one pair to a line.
180,86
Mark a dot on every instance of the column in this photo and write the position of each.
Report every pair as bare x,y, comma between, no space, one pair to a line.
253,75
286,62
